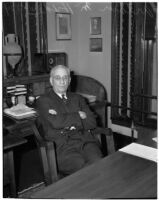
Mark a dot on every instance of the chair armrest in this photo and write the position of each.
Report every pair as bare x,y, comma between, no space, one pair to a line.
51,156
45,143
109,138
48,144
100,130
48,155
39,135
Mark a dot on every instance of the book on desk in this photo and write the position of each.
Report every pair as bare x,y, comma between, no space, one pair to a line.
20,111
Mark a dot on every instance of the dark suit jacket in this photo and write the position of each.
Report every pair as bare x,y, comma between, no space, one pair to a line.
67,115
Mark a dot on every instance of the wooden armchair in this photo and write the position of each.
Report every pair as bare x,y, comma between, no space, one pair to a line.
90,86
85,85
47,151
48,155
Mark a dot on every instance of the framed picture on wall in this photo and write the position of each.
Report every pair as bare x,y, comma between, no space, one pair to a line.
96,45
63,26
95,26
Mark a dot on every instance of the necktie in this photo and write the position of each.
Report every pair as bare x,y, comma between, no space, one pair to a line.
64,98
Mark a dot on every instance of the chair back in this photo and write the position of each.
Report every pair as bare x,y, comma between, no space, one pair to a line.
85,85
88,85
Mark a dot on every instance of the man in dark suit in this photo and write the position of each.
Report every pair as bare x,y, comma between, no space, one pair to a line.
67,119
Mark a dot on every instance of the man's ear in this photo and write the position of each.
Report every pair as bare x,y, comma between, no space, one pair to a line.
51,81
69,80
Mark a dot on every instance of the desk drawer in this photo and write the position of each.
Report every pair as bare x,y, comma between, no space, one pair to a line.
23,132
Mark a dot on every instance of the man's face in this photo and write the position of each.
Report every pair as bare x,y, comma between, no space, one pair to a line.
60,80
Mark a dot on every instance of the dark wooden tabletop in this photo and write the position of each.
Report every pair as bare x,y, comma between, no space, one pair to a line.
10,141
119,175
19,127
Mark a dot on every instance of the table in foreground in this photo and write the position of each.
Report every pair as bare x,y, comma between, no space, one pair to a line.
9,143
119,175
27,127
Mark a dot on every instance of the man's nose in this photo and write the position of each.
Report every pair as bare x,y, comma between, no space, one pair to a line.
62,80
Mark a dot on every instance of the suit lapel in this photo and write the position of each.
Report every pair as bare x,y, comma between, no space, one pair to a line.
58,101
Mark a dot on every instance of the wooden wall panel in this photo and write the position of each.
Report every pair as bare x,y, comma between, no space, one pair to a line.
8,18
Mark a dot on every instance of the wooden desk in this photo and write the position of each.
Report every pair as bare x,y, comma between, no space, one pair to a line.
119,175
9,142
24,128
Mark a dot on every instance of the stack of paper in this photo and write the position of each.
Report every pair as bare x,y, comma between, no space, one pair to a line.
141,151
20,111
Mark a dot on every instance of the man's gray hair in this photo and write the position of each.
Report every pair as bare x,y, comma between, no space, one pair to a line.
57,67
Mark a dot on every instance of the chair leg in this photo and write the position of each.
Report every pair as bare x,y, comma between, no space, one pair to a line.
52,161
45,165
110,144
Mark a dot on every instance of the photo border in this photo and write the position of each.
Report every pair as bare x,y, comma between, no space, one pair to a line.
68,35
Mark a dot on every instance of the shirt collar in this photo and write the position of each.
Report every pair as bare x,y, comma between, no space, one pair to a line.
60,95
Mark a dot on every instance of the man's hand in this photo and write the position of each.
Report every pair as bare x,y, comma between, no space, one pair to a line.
82,114
52,112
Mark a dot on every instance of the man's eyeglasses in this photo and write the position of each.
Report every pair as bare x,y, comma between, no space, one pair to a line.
59,78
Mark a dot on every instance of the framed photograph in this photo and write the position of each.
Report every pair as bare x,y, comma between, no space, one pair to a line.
96,45
95,26
63,26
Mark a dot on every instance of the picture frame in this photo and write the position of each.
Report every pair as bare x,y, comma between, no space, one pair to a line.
95,26
96,45
63,26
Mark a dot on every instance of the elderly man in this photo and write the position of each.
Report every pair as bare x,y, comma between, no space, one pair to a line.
66,119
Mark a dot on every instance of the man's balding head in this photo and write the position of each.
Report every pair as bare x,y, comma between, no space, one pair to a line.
60,78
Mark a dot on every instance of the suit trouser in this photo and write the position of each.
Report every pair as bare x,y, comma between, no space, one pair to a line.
75,154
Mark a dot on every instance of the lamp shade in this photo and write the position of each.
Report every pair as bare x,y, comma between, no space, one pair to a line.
12,49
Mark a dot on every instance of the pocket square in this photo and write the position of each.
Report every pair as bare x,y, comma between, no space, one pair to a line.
52,112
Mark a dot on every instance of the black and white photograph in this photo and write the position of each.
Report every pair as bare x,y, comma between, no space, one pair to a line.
95,44
63,26
95,27
79,100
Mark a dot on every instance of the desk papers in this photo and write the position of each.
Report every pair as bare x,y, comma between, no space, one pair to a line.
20,111
141,151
